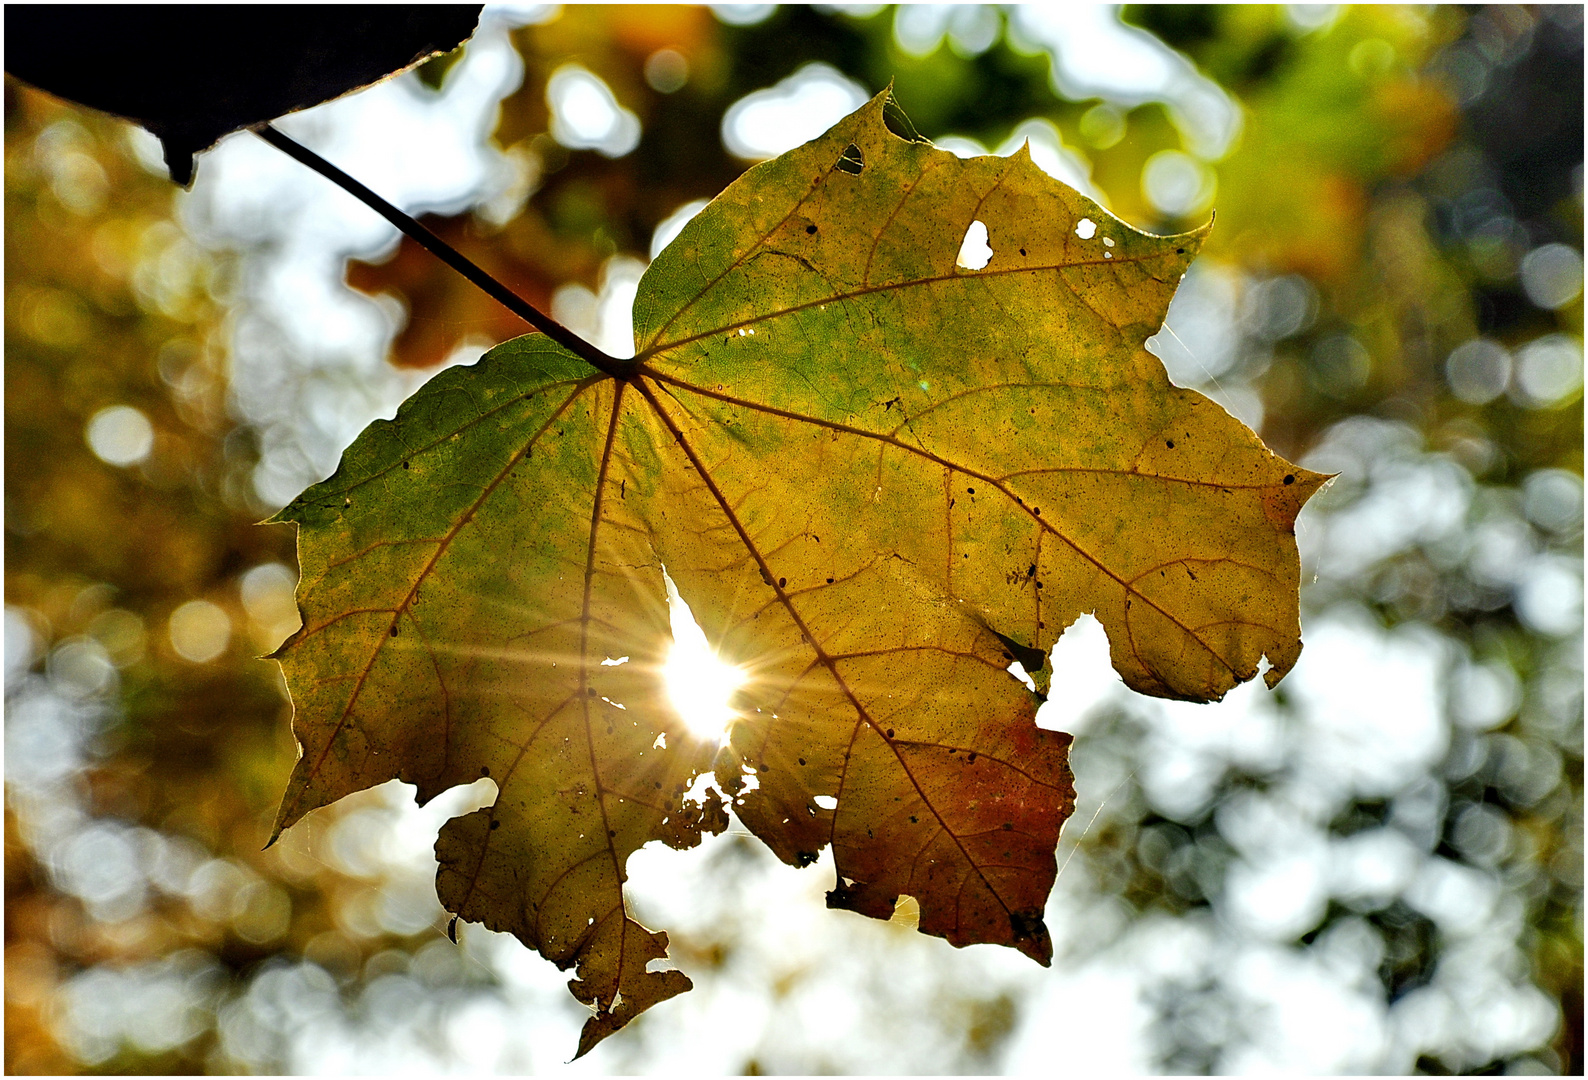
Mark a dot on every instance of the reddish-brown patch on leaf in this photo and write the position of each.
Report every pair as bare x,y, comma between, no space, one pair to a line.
979,853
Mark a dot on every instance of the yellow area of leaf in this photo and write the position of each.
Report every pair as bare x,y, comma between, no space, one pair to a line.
867,468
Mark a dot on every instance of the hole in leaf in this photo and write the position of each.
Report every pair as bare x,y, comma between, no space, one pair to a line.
851,161
1017,669
701,788
1086,228
894,119
699,684
974,252
826,802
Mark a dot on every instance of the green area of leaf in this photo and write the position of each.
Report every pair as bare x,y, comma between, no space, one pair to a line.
867,467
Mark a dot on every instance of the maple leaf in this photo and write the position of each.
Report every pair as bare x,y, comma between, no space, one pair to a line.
876,475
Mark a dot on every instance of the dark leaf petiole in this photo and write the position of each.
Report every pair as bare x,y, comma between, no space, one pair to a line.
553,329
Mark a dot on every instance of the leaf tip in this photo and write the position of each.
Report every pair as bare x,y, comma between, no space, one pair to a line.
1030,936
1272,676
610,1021
894,118
280,651
287,515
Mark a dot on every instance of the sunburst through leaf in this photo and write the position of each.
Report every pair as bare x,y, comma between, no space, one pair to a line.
700,684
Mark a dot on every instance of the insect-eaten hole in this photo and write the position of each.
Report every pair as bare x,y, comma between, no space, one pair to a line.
700,684
749,779
1086,228
851,160
974,252
703,787
826,802
906,912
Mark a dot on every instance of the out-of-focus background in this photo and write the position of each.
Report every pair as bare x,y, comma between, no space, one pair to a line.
1376,867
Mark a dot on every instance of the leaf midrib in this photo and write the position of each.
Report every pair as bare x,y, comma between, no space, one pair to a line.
1044,524
863,716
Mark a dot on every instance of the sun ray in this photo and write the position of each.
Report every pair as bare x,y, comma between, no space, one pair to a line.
700,684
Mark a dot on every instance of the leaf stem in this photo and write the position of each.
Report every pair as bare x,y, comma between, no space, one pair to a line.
553,329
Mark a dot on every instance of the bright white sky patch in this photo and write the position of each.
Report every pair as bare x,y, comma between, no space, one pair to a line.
1365,734
586,116
1082,675
1097,55
795,111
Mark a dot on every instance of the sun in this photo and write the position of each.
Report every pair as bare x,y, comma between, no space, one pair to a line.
700,684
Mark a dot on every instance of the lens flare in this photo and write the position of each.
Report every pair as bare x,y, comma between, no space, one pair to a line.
699,683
